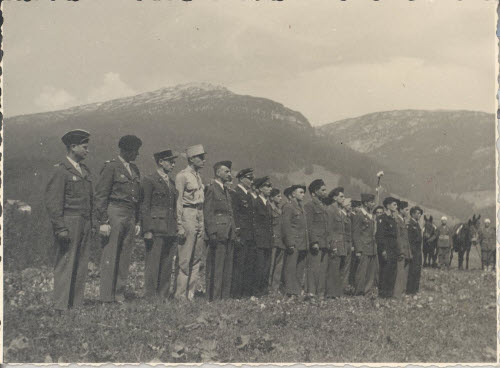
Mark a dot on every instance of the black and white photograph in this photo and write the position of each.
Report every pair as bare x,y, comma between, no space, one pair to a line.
250,181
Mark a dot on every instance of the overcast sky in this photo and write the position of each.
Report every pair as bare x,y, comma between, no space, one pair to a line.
328,59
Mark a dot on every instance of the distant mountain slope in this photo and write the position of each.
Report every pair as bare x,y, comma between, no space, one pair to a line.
448,152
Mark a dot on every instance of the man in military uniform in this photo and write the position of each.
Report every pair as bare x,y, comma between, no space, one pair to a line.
295,238
405,256
221,232
365,250
337,251
244,252
159,225
318,231
117,208
349,264
415,241
278,251
68,200
444,243
387,247
190,223
488,241
263,228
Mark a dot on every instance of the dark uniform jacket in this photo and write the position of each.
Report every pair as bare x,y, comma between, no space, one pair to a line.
415,237
276,219
243,213
294,226
68,192
317,223
158,205
117,186
487,238
404,244
347,232
336,220
263,223
363,234
387,236
218,214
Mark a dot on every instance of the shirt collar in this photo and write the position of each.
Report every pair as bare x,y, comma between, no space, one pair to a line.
243,188
263,199
163,174
75,164
123,161
365,212
254,195
218,182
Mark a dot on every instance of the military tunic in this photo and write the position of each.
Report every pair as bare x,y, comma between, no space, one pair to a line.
278,252
444,245
488,243
117,197
159,217
337,252
69,203
403,261
263,233
415,240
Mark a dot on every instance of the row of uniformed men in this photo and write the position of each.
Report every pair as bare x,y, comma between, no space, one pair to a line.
252,242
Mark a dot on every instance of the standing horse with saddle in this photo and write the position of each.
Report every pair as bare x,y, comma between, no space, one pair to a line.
464,237
430,242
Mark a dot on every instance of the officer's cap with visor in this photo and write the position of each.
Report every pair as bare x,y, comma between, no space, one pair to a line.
76,136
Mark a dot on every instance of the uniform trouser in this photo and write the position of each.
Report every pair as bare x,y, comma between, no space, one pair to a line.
190,253
346,271
159,259
388,270
401,277
295,263
366,272
244,270
263,268
414,273
71,266
488,257
334,283
317,263
115,258
276,272
220,270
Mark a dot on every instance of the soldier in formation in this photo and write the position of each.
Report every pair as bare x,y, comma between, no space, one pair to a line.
251,239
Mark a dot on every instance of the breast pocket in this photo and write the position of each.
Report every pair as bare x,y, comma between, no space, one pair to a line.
76,186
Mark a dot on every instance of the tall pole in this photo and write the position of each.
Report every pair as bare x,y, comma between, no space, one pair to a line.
378,188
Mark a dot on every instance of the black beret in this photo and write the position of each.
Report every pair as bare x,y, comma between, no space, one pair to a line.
164,155
297,186
355,203
129,142
315,185
77,136
287,192
335,192
261,181
389,200
403,205
244,172
227,164
274,192
415,209
367,197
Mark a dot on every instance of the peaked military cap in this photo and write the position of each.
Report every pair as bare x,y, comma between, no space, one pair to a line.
367,197
274,192
195,150
227,164
164,155
244,172
76,136
389,200
315,185
335,192
129,142
259,182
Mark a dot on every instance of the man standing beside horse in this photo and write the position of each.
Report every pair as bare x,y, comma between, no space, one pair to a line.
444,243
488,241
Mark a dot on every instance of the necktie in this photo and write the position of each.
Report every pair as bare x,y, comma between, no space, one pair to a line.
79,168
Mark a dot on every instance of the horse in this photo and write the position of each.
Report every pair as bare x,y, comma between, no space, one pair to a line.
430,243
465,235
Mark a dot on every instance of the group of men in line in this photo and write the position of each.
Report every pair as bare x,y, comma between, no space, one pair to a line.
249,240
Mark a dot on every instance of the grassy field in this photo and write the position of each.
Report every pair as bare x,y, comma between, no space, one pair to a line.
451,320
